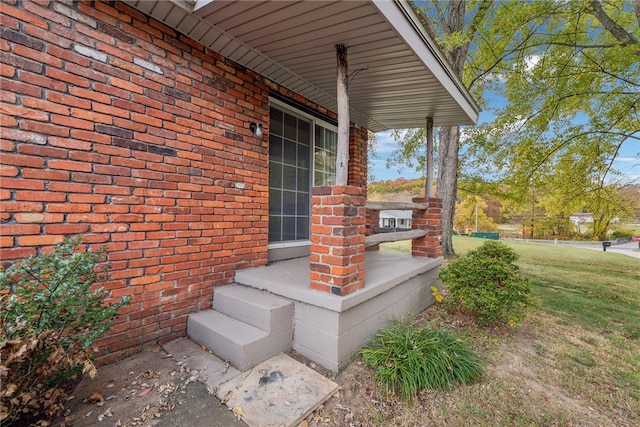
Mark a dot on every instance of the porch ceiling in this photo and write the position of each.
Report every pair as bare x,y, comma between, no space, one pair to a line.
293,44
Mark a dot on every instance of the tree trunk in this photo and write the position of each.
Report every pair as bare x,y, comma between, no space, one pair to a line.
448,183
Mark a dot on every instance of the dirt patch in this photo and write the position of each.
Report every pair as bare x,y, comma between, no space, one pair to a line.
543,373
519,386
514,368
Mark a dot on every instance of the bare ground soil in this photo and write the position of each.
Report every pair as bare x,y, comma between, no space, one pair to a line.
545,372
521,385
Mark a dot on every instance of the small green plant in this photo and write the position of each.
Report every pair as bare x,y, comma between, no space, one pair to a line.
409,359
436,294
487,283
49,318
540,349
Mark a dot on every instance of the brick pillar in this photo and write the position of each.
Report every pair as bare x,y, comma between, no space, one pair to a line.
373,221
337,239
430,220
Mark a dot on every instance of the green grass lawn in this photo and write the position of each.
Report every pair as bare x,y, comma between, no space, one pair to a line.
578,351
599,291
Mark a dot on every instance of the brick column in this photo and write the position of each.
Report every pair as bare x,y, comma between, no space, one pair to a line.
430,220
337,239
373,221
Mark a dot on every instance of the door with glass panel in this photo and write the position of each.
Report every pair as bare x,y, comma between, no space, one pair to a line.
302,153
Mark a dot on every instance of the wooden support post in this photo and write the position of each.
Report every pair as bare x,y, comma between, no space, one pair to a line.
342,161
429,181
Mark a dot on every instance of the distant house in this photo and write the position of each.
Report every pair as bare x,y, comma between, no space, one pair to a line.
580,219
395,219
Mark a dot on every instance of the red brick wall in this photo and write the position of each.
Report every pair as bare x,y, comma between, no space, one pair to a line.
338,219
358,146
117,127
429,220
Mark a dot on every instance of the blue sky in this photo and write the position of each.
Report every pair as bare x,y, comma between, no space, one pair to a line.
628,161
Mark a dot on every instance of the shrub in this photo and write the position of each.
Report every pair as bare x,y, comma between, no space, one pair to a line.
486,283
49,319
618,234
409,359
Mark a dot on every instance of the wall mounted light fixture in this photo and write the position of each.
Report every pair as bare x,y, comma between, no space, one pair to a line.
256,129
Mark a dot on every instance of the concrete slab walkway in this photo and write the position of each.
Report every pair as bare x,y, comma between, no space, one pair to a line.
175,386
152,388
279,392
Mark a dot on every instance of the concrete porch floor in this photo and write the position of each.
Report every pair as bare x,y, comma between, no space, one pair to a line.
290,278
328,328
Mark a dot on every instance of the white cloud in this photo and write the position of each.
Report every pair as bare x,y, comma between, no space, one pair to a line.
628,159
385,143
532,61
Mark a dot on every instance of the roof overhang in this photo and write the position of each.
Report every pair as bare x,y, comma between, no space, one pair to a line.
404,77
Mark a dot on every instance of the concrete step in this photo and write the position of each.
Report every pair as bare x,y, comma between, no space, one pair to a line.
245,326
253,306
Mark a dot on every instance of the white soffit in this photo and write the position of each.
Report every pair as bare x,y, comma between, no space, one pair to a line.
293,44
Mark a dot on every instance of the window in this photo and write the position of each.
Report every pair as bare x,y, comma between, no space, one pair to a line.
325,154
302,152
289,180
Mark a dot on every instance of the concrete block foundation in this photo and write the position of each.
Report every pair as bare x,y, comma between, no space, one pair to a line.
328,329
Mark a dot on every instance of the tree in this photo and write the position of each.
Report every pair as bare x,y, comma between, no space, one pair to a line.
573,100
470,214
555,63
456,26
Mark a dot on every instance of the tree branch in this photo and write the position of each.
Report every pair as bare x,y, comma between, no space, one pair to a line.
610,25
441,16
428,27
615,76
521,47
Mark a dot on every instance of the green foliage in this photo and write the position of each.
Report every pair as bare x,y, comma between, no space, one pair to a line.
488,284
617,234
554,228
415,187
569,73
471,211
50,317
409,359
571,89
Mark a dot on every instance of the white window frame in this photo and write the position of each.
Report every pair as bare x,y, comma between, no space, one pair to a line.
315,121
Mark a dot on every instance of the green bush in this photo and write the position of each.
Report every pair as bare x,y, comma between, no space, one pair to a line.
409,359
49,320
618,234
486,283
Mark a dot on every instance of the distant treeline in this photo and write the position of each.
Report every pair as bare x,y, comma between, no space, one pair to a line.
413,186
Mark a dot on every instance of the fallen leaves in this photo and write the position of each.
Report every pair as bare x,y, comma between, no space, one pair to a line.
152,392
237,411
96,398
146,391
106,414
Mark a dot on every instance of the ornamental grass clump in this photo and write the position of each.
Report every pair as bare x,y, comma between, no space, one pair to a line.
49,319
409,359
487,284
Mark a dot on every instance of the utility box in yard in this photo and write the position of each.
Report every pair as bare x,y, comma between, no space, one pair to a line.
482,235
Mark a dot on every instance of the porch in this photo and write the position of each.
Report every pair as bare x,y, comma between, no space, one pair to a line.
330,303
328,328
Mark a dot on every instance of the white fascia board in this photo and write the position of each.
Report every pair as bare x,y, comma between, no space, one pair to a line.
191,6
199,4
403,20
186,5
